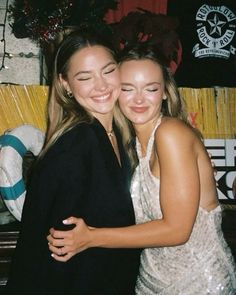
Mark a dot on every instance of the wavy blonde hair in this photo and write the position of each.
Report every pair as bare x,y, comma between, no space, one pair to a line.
174,104
63,111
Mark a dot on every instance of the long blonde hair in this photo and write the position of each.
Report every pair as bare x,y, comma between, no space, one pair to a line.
174,105
63,111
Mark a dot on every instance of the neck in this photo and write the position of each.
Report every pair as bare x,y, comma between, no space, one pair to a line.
143,131
110,133
106,122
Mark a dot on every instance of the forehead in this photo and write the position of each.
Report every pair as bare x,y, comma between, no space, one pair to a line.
91,56
145,66
140,70
94,49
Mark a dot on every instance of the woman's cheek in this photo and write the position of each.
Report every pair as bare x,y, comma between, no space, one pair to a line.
123,102
85,89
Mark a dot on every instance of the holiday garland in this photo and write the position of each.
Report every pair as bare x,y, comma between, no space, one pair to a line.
41,22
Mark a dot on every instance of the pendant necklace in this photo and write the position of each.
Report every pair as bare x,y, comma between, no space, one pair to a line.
110,133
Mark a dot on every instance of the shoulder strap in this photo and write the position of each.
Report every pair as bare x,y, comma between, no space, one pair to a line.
151,139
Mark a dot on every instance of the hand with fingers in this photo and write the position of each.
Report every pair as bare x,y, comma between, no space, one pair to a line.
65,244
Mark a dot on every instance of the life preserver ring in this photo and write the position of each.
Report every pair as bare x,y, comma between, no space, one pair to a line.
13,146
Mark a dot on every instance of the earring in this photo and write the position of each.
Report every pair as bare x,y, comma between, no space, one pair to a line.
164,97
69,94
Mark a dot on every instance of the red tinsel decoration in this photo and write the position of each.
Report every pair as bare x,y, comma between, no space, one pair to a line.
36,23
158,29
42,20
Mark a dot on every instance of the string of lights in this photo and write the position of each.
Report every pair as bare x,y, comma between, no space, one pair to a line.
3,39
21,54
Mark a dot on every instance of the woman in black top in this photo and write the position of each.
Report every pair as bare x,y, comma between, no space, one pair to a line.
82,171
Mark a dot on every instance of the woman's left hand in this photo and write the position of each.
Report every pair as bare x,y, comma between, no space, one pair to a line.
65,244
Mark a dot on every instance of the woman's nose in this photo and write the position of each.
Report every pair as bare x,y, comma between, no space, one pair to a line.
100,84
138,98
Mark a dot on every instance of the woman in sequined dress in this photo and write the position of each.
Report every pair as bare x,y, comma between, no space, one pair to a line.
173,190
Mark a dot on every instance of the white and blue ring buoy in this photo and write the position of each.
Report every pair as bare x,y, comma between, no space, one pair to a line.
13,146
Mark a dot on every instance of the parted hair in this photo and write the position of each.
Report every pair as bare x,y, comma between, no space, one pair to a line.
174,104
63,111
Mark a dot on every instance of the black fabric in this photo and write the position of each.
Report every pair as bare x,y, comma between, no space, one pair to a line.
79,176
208,36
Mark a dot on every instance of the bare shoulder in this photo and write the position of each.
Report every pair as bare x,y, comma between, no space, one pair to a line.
176,137
173,128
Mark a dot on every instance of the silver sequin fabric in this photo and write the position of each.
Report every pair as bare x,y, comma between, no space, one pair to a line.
204,265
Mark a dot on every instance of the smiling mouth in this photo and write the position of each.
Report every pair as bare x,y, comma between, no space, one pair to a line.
139,109
102,98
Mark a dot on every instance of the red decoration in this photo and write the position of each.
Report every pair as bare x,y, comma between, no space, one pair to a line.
158,29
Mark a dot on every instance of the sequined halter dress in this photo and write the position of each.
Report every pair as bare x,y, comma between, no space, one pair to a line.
203,265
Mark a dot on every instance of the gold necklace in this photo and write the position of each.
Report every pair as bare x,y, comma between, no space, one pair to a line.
110,133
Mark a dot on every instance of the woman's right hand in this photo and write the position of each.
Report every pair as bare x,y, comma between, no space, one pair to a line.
65,244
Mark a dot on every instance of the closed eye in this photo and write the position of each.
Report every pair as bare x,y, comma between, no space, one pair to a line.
84,79
152,90
109,71
125,89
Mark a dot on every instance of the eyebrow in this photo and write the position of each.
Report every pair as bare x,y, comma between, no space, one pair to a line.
88,72
149,84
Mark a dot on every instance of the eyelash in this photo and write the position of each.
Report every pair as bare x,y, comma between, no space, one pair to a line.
122,89
83,79
152,90
149,90
110,71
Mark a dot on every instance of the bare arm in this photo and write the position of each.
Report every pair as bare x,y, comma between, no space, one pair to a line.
179,197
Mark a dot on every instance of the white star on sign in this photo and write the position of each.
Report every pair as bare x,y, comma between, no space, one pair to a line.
216,25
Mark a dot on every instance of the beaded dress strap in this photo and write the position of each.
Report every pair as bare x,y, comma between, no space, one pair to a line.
151,140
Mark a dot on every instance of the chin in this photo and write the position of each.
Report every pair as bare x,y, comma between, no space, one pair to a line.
105,110
138,122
